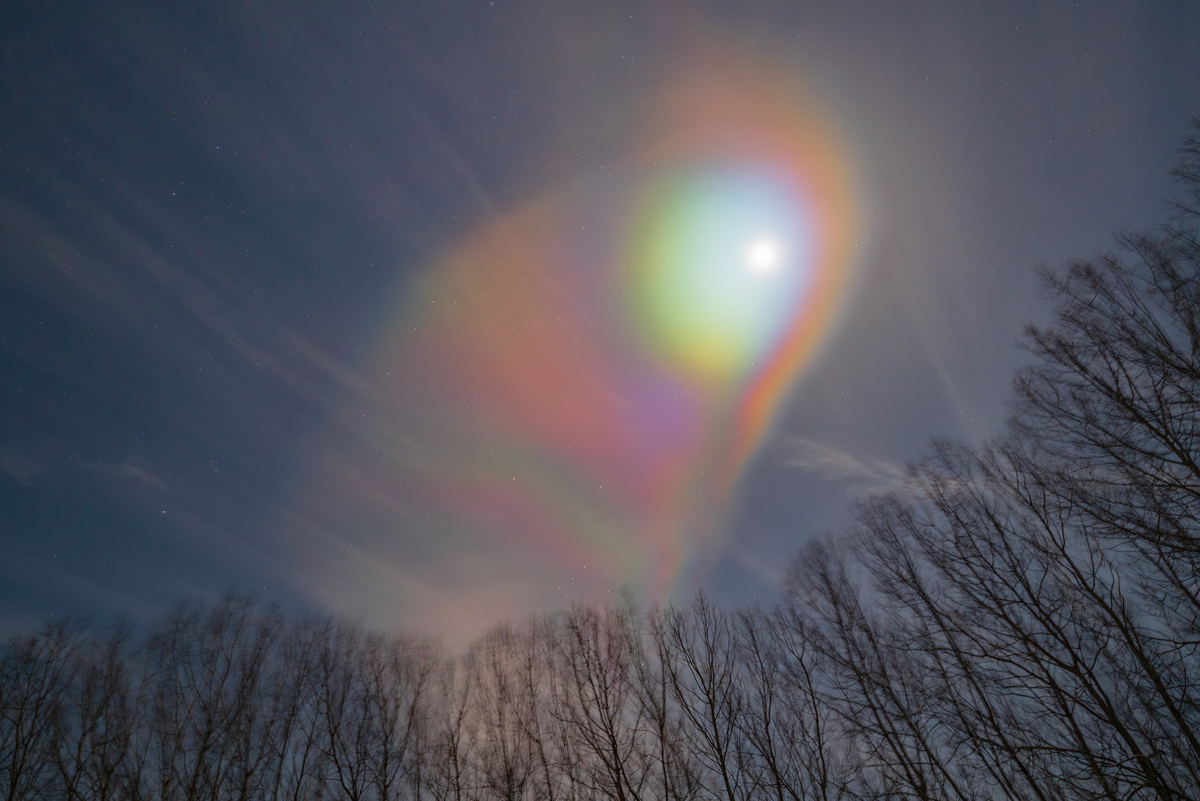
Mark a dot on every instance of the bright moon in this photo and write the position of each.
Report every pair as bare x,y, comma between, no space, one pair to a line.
762,256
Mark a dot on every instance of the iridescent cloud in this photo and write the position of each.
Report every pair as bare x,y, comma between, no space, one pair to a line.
583,380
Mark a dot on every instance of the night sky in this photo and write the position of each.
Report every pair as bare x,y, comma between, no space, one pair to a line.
440,314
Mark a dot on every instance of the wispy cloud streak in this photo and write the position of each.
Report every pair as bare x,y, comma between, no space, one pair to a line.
831,463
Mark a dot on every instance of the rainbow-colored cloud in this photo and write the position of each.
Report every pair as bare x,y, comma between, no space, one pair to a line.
585,378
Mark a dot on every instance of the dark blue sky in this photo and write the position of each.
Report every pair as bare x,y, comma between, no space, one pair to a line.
208,217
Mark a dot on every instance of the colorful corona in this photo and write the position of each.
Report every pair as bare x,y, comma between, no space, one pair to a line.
587,377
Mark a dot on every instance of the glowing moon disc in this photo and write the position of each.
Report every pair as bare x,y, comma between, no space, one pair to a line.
763,256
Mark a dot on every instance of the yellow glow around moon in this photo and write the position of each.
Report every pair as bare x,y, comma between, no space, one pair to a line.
763,256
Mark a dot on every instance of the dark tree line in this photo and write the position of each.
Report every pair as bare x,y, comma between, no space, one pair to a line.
1018,621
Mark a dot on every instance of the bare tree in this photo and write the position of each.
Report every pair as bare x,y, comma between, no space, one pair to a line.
595,702
676,773
701,665
788,720
207,668
454,733
35,675
295,760
95,727
504,762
